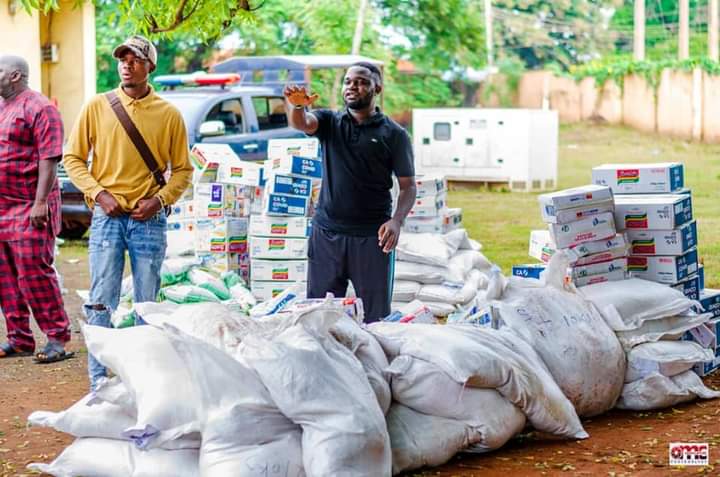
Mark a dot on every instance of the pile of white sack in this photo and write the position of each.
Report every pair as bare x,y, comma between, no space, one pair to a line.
299,387
650,320
444,272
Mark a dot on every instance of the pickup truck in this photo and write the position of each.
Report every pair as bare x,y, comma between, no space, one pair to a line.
245,117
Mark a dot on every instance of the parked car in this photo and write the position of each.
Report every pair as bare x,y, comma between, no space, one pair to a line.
225,107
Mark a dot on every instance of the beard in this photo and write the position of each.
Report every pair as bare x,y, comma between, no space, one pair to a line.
361,102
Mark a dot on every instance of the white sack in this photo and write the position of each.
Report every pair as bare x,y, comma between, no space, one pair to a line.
670,328
95,457
627,304
488,358
419,440
440,309
154,374
452,295
668,358
431,249
211,323
101,419
243,431
366,349
657,391
420,272
320,385
404,290
582,353
424,387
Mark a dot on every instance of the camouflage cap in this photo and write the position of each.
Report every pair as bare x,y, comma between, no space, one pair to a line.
141,46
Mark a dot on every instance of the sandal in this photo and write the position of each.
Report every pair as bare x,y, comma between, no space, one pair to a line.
8,351
52,353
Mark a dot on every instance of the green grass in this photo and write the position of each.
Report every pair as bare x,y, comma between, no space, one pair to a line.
502,221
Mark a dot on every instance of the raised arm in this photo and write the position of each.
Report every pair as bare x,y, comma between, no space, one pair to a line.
298,100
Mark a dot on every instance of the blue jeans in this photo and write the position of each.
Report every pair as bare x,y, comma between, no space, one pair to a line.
110,237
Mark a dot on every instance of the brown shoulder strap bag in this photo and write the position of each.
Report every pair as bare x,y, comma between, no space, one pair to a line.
137,140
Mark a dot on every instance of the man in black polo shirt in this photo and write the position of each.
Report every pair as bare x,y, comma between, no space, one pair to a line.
354,231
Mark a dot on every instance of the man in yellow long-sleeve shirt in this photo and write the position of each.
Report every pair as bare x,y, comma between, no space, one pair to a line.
126,199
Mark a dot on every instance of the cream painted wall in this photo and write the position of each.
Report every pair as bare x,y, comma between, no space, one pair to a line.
70,81
21,36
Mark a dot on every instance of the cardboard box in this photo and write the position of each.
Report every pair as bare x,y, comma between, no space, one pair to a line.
444,222
573,198
288,185
664,269
528,270
653,212
564,216
704,369
428,206
543,248
303,147
430,185
228,235
182,210
276,204
216,200
704,335
206,159
599,268
273,226
662,178
541,245
279,270
226,262
710,301
663,242
614,276
690,287
264,291
244,173
278,248
308,167
591,229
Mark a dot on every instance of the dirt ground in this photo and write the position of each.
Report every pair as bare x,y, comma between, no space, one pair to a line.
620,444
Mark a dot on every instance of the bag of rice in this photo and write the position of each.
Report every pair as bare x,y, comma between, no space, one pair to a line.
205,280
187,294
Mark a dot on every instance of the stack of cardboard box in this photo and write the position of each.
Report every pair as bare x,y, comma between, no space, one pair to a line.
656,213
430,213
212,216
655,210
279,234
581,221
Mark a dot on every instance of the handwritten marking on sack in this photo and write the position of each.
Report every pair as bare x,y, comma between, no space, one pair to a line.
265,469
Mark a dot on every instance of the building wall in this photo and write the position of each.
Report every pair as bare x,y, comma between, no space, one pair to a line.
70,81
686,104
19,35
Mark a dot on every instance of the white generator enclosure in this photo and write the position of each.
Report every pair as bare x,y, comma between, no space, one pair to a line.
515,146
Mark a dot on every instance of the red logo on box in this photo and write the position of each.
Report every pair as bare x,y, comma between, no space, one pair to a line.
688,453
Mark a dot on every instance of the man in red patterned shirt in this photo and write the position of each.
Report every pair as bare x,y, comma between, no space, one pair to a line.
31,137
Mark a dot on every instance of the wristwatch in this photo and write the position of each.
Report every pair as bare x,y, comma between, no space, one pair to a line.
299,106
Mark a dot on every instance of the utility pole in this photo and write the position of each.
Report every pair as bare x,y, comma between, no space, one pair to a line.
489,33
639,30
684,36
359,27
713,30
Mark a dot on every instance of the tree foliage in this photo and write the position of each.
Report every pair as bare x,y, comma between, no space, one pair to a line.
561,32
203,19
